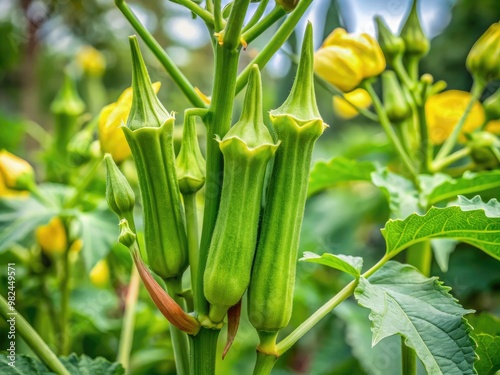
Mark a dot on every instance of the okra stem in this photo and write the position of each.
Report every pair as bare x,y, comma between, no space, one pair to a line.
32,338
264,364
203,351
408,359
192,238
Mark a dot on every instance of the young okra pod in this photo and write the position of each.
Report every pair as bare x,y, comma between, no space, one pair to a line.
247,148
298,125
149,133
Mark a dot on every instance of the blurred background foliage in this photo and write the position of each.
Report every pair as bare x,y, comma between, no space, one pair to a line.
41,38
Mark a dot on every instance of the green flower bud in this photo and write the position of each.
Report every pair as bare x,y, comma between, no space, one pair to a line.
288,5
67,100
127,237
191,166
483,60
492,106
484,148
395,104
119,194
392,46
416,43
149,133
298,125
79,147
247,148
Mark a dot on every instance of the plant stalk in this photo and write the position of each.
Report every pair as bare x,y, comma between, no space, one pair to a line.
203,351
192,237
408,359
264,364
32,338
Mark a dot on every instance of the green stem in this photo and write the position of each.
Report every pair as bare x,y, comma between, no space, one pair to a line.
438,165
232,31
256,16
419,255
449,144
217,121
412,67
409,359
82,186
386,125
210,6
264,364
179,339
335,91
275,43
127,333
218,19
196,9
192,236
253,32
34,341
319,314
65,291
203,351
178,77
425,145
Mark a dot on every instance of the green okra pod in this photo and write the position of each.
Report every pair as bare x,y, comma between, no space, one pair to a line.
149,133
298,125
247,148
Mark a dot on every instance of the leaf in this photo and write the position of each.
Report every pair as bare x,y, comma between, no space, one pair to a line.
488,352
442,248
402,301
326,174
440,187
400,192
382,359
99,230
82,365
345,263
19,218
471,221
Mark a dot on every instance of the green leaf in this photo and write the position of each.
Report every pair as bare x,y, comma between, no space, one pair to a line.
82,365
470,221
402,301
326,174
488,352
99,229
440,187
19,218
345,263
400,192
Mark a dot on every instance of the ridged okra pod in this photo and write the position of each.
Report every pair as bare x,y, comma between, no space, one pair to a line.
298,125
247,148
149,133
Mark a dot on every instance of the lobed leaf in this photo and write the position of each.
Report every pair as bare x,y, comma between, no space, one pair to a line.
470,221
404,302
326,174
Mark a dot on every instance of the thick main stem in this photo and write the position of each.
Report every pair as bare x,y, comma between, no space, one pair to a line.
179,339
192,238
34,341
127,333
203,351
264,364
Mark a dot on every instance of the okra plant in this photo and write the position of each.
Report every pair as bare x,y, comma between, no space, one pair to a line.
253,180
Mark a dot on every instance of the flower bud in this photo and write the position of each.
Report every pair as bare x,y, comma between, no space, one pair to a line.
416,43
492,106
392,46
484,149
190,163
127,236
99,274
287,5
52,237
484,57
149,133
79,147
67,100
16,173
91,61
119,194
395,104
342,105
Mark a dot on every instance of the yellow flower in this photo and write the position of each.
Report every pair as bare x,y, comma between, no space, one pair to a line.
444,110
112,116
52,237
346,59
16,173
343,109
484,57
76,246
92,61
99,274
